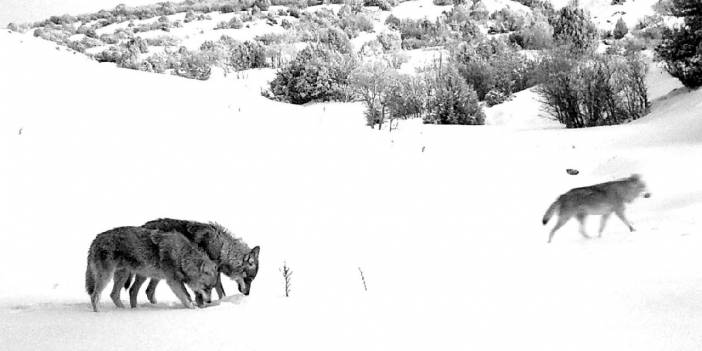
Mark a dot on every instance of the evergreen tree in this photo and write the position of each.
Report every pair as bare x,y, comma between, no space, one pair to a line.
681,47
452,100
573,27
620,29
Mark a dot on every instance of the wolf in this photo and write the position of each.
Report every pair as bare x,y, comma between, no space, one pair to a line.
232,255
150,253
599,199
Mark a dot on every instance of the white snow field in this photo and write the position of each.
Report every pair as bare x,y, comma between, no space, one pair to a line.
444,221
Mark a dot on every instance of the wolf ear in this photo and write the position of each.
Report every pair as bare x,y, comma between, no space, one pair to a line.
254,252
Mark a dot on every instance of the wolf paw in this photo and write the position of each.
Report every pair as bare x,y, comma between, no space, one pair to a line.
152,298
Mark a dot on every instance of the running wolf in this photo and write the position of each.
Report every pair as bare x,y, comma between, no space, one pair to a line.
599,199
232,255
150,253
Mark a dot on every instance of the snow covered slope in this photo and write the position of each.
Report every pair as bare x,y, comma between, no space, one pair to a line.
443,220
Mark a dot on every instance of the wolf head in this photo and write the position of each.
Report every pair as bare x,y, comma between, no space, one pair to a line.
245,272
201,277
636,188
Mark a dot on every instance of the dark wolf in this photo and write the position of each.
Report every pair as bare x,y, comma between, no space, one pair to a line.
232,255
599,199
149,253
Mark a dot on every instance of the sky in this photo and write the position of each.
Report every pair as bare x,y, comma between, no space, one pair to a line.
21,11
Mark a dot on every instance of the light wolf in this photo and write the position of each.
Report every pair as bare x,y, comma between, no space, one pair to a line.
232,255
599,199
150,253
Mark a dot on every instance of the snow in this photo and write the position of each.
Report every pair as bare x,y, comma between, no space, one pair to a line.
444,221
605,15
419,9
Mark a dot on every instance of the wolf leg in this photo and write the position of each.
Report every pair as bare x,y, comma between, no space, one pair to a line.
134,290
151,290
561,221
620,213
119,278
603,222
179,290
199,300
581,219
219,287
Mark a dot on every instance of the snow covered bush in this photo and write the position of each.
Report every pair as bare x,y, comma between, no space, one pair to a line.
247,55
406,97
189,16
263,5
594,90
479,12
451,100
494,97
390,41
353,24
537,36
393,22
235,23
421,33
371,82
111,54
680,47
335,38
163,40
506,20
192,65
493,65
371,48
317,73
57,36
458,20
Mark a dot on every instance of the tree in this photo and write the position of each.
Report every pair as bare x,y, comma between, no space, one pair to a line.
371,82
573,28
318,73
451,100
593,90
620,29
681,47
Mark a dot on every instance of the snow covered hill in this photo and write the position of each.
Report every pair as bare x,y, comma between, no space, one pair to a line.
443,220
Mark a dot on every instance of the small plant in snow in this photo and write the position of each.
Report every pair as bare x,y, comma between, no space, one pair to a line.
363,279
287,274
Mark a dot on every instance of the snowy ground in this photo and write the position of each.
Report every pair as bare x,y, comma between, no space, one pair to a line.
449,239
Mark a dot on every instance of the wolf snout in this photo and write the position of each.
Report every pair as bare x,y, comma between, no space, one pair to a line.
647,195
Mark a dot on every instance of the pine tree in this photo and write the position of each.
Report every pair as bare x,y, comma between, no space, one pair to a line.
452,100
573,27
681,47
620,29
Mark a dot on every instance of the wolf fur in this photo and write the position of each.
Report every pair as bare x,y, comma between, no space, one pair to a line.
150,253
599,199
232,255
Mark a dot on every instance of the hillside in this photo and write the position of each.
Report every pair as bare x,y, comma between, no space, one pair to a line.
443,220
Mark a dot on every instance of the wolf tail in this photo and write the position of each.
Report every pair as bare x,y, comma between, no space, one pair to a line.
89,280
551,209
